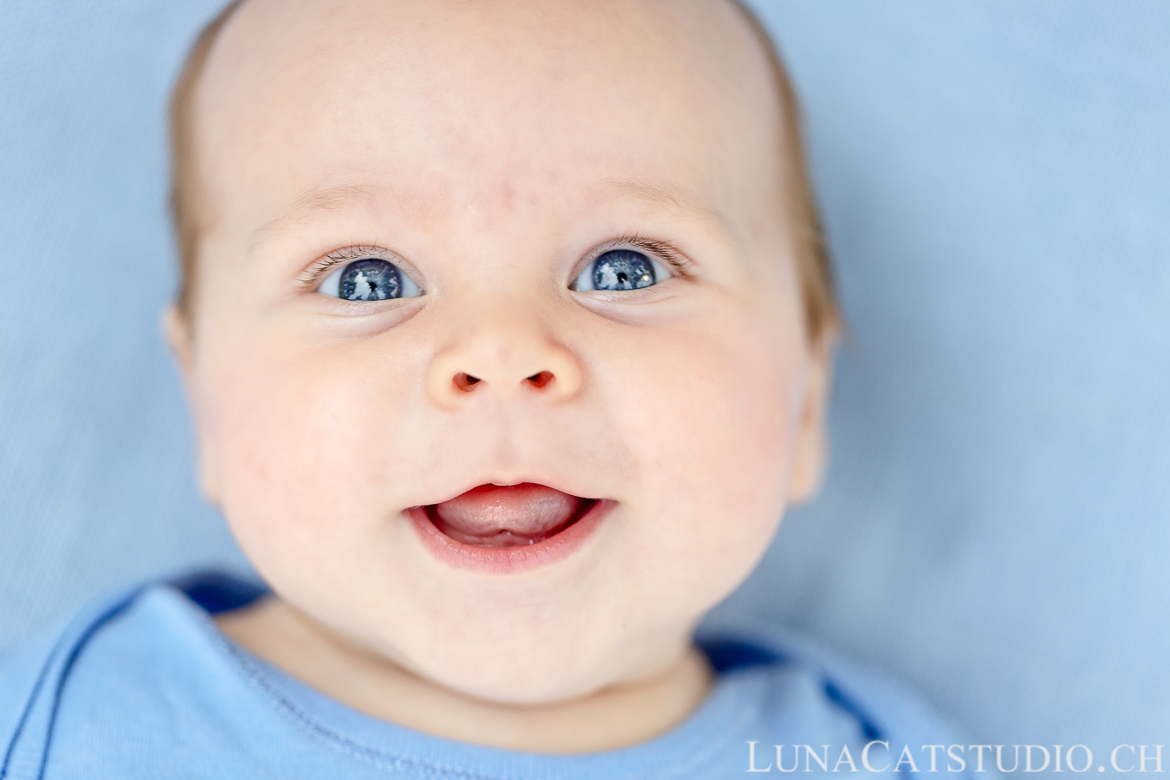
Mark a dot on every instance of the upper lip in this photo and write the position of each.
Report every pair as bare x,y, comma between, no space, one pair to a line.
509,481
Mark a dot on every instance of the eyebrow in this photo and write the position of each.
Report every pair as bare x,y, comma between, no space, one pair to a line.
677,200
330,199
668,197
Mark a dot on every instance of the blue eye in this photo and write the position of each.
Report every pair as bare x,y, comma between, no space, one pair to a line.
620,269
370,279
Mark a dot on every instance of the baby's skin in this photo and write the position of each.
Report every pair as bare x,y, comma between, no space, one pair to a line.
497,352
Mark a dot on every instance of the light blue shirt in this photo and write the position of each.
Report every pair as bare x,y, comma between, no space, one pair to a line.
143,685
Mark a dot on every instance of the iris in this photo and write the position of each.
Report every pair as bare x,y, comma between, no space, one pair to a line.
622,269
370,280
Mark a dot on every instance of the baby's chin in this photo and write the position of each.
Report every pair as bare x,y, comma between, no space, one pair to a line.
507,658
515,673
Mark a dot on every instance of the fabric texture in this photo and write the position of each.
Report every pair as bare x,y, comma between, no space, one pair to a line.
995,185
142,684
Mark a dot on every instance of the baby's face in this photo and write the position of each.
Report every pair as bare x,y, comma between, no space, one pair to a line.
457,245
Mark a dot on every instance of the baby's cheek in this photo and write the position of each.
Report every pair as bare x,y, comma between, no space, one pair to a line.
302,442
716,456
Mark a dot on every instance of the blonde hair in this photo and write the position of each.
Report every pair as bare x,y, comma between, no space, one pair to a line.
186,213
822,316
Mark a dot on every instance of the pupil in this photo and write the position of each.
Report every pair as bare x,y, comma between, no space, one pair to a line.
370,280
622,269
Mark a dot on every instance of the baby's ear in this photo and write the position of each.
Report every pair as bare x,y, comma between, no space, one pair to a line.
178,338
177,331
812,439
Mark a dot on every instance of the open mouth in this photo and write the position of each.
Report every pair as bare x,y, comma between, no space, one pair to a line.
507,516
508,529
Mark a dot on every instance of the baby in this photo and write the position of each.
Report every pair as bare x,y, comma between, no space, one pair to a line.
506,329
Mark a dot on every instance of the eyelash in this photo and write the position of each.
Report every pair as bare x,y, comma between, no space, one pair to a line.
349,254
665,252
340,256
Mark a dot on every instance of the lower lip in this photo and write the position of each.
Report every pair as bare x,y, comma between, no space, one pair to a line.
508,560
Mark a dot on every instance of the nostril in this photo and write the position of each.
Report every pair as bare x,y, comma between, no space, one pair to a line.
539,381
466,382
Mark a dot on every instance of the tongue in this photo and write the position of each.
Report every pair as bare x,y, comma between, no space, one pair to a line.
494,516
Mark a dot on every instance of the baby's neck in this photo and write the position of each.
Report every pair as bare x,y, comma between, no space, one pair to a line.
608,719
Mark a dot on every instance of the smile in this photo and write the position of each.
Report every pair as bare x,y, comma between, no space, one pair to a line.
507,529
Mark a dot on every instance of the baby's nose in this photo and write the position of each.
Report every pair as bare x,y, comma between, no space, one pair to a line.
506,355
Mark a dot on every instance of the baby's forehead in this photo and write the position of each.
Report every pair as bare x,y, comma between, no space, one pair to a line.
454,105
